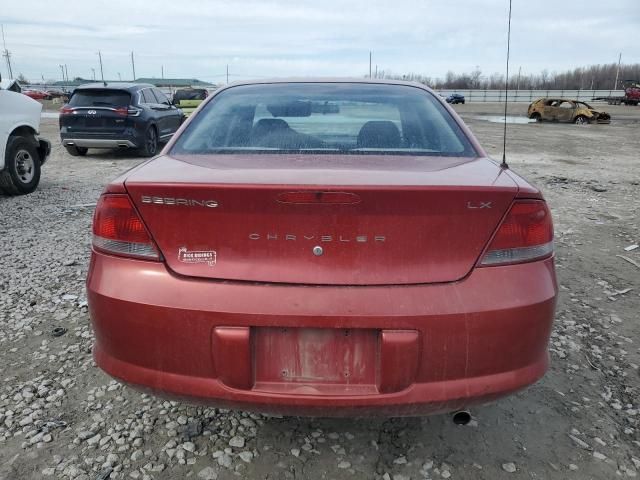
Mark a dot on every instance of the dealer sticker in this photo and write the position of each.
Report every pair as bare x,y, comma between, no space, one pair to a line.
197,256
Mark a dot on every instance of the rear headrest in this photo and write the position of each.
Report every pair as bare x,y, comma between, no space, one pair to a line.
265,126
379,134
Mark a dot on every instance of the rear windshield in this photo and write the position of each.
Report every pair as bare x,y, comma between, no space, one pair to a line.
324,118
100,98
189,95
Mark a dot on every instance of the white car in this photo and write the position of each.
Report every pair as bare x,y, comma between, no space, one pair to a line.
22,152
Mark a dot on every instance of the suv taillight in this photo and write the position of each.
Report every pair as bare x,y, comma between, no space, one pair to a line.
128,111
118,229
525,234
66,110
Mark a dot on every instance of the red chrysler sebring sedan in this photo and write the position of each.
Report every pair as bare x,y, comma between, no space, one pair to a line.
323,248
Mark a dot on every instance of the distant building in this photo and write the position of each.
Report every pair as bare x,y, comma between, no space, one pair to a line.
10,84
175,82
158,82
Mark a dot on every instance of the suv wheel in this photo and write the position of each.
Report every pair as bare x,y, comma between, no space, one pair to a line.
22,167
150,143
581,120
76,151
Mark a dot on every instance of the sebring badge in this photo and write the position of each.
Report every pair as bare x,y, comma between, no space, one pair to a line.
186,202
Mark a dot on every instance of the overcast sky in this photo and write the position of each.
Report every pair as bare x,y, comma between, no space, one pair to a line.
273,38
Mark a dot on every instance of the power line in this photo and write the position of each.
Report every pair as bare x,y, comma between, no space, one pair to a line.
6,54
101,70
615,85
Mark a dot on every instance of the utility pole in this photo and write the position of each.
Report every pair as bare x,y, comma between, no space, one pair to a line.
119,77
369,63
101,70
93,73
162,71
133,67
6,54
227,73
376,71
62,70
615,85
66,72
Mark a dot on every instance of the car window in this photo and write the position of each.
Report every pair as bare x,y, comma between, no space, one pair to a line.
325,118
147,96
100,98
567,105
160,97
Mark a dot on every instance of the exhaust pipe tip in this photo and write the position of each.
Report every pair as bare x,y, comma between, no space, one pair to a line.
461,417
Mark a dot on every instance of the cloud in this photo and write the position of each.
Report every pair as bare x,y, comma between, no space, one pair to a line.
198,38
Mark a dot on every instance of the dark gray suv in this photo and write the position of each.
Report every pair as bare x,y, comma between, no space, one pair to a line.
118,115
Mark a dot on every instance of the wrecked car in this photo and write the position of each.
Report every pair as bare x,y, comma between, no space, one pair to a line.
188,99
563,110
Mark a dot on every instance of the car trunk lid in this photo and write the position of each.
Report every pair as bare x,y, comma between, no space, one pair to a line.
330,220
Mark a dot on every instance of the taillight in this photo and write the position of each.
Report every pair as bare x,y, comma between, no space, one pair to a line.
127,111
525,234
117,228
66,110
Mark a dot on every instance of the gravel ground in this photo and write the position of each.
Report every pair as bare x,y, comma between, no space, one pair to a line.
60,417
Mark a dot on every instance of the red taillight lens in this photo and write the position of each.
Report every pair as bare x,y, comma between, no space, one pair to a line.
526,234
66,110
117,228
127,111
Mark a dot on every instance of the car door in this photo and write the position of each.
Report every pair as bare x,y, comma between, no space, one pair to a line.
170,115
158,110
565,111
549,111
150,102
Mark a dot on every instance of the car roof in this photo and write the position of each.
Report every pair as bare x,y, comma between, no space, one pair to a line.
338,80
544,99
374,81
132,87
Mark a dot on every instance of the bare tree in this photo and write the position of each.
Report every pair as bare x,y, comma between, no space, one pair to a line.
596,77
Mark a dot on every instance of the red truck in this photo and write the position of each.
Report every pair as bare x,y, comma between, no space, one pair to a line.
631,95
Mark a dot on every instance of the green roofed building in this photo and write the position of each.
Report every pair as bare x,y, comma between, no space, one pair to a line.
158,82
175,82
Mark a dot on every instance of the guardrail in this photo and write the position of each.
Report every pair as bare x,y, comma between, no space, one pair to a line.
530,95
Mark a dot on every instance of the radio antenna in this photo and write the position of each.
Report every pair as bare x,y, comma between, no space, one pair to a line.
506,91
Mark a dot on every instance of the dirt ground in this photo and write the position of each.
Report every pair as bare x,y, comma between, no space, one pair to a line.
60,417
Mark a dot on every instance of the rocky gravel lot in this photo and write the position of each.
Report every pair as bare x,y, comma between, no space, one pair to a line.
60,417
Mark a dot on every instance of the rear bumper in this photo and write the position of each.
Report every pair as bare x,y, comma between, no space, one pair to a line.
99,142
438,347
